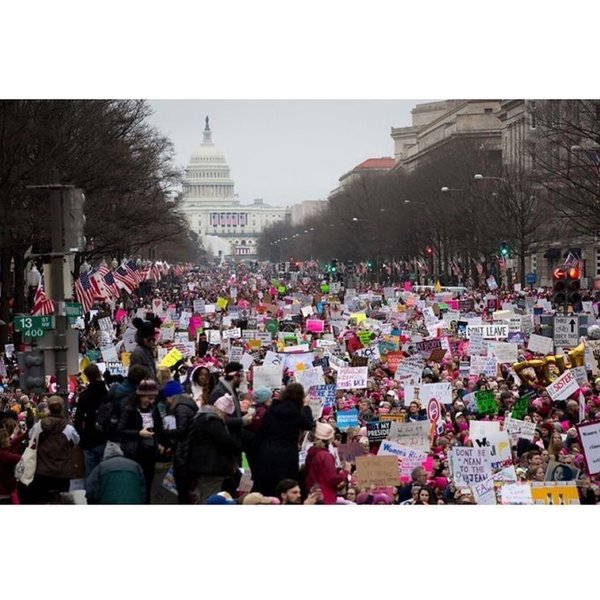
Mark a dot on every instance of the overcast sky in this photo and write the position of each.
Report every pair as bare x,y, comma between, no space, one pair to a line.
285,151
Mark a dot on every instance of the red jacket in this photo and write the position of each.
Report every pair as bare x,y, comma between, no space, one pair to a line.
321,471
9,457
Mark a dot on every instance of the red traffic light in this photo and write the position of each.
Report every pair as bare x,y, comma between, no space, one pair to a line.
429,250
558,273
574,273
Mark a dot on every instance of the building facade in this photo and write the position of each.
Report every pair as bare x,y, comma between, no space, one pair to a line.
213,210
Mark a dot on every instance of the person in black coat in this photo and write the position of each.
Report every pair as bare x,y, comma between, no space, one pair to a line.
140,427
212,453
183,408
278,439
93,438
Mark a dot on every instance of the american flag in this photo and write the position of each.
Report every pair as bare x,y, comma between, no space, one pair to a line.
456,270
125,279
84,291
42,305
111,284
137,274
572,261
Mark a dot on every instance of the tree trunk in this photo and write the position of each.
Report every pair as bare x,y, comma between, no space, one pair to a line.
20,304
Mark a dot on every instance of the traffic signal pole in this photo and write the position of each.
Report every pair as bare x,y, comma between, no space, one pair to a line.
58,289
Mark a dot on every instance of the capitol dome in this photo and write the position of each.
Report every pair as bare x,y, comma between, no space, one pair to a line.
208,152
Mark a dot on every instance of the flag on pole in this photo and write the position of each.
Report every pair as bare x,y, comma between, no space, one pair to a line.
42,305
571,261
84,291
125,279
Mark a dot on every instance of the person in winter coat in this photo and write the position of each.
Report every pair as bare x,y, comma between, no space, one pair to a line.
139,429
10,453
229,384
145,337
55,465
320,466
93,438
278,439
116,480
199,384
183,409
212,451
263,398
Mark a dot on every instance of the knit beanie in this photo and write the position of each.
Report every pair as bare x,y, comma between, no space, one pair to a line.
262,394
172,388
225,404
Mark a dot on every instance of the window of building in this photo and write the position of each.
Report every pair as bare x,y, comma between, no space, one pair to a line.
488,110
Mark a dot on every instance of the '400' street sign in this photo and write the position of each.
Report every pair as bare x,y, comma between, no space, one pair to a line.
33,326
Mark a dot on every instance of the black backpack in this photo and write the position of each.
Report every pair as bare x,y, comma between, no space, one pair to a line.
108,413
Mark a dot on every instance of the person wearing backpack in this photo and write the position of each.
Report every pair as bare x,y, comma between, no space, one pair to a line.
89,418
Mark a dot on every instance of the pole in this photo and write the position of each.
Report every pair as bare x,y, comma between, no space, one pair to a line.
58,288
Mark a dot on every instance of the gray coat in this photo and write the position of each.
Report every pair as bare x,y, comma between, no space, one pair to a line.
143,356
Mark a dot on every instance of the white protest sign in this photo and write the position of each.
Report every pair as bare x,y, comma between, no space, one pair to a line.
236,353
186,348
410,370
157,306
129,342
476,343
306,311
469,465
268,375
505,352
372,353
440,391
580,375
562,387
352,378
540,344
489,331
230,334
109,354
483,364
199,307
408,458
589,434
516,493
213,336
519,429
310,377
105,324
297,348
167,333
246,361
566,331
414,434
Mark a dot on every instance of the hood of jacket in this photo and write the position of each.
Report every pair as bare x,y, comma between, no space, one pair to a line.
111,450
54,424
184,399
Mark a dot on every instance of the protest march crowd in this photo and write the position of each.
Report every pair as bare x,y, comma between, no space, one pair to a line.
236,384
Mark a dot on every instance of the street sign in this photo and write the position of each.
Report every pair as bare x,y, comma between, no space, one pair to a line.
531,278
74,309
33,326
566,331
433,410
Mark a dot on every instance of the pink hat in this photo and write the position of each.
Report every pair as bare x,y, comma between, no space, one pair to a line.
324,432
225,404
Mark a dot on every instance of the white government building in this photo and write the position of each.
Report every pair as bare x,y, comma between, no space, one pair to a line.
213,210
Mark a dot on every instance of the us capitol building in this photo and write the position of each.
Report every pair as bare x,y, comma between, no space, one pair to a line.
225,227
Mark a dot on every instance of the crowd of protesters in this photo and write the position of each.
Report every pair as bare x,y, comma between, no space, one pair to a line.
181,413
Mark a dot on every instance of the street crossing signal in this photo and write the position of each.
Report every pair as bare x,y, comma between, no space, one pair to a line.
31,366
559,287
504,250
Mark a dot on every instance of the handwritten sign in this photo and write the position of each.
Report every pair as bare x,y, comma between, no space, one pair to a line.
485,402
414,434
469,465
540,344
268,375
352,378
589,436
377,470
408,458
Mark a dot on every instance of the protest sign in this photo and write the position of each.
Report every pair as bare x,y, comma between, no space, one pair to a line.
410,370
378,430
540,344
116,368
349,452
485,402
498,331
518,429
105,324
247,361
409,458
469,465
589,436
310,377
352,378
554,492
268,375
109,353
213,336
441,391
371,353
516,493
414,434
326,393
315,325
186,348
345,419
426,346
236,353
377,470
229,334
437,355
476,344
505,352
557,471
485,365
393,359
171,358
562,387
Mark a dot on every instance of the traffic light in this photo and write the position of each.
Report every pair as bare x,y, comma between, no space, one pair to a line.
31,366
334,264
504,250
574,288
73,204
559,287
370,265
429,250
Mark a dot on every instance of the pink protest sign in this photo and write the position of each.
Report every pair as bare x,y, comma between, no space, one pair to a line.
195,324
120,315
407,286
315,326
453,304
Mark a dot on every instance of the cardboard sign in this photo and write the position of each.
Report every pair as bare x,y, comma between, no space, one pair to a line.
352,378
349,452
377,470
427,346
437,355
562,387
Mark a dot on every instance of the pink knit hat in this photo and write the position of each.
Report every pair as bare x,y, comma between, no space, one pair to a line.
225,404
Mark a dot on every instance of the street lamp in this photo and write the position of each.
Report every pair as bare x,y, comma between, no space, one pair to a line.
447,189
